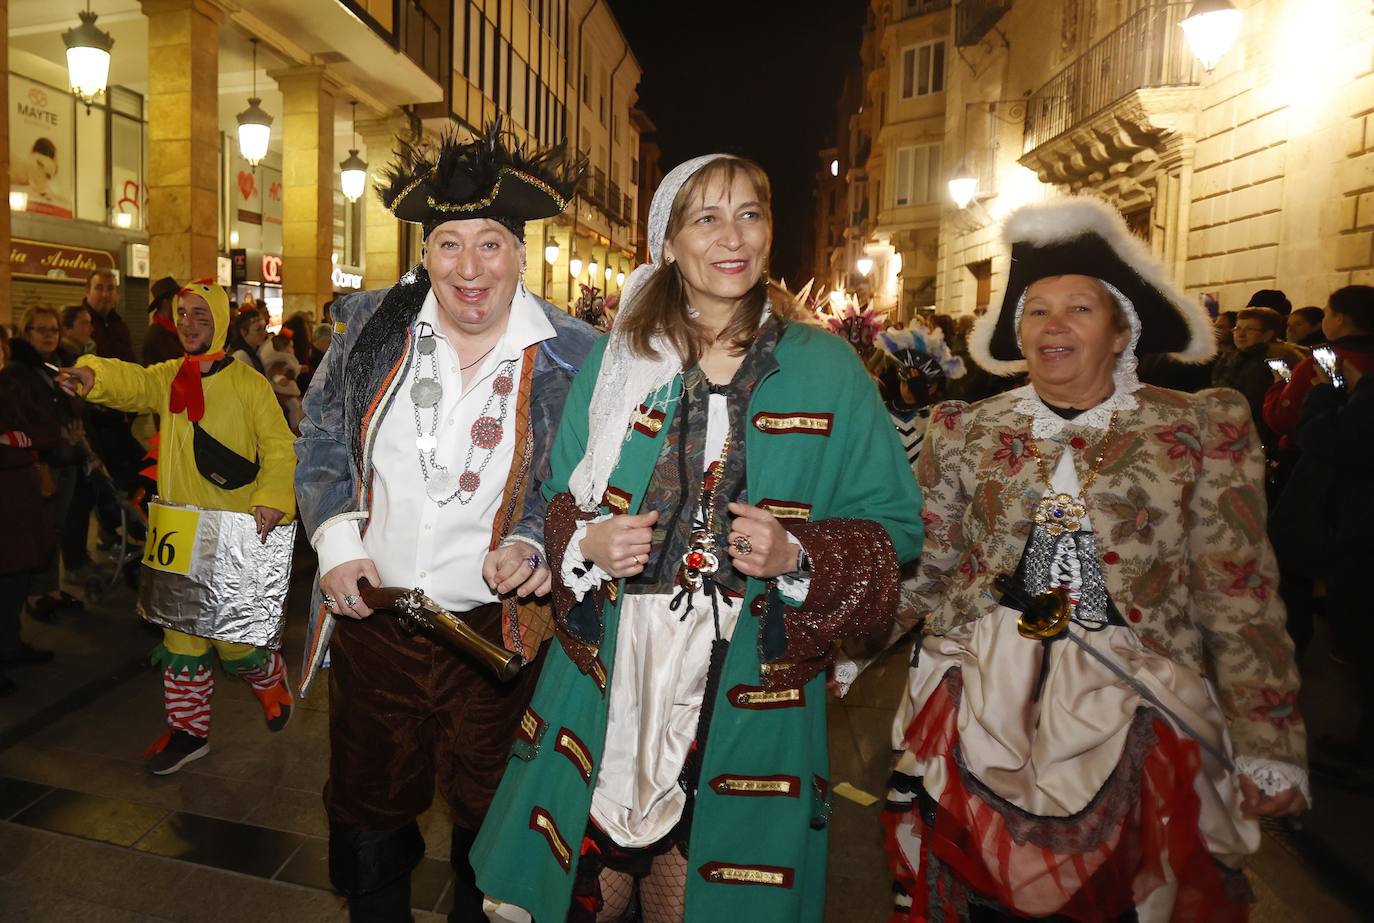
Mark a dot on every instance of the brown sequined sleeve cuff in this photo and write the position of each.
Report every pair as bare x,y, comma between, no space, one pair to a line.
853,593
560,522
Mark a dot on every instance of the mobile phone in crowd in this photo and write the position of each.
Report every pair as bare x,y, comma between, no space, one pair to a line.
1325,357
1281,369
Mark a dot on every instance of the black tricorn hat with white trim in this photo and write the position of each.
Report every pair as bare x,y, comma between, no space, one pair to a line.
1084,236
491,176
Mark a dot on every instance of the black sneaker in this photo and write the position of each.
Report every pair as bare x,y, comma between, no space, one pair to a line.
24,655
180,749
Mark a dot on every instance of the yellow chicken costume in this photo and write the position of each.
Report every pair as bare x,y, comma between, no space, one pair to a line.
235,405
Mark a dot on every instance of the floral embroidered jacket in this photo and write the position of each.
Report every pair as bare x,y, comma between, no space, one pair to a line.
1179,514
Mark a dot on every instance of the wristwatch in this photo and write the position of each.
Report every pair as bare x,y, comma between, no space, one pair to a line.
803,561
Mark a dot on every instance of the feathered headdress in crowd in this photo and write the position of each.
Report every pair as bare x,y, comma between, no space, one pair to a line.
859,325
491,176
923,350
593,308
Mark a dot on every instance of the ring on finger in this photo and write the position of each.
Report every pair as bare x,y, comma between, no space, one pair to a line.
330,602
742,544
351,601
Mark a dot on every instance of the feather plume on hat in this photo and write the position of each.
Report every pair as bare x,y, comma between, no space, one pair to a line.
490,176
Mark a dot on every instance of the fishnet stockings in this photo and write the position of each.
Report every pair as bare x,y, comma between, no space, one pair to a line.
662,893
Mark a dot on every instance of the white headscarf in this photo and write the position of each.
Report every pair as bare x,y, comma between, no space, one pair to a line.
627,380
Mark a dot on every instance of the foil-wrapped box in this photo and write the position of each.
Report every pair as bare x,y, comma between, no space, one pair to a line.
207,573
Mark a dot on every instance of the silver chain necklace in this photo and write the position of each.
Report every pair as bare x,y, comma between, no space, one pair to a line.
427,391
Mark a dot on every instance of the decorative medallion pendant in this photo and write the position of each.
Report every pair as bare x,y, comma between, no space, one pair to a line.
426,393
426,346
469,481
486,433
698,562
1060,513
503,385
442,485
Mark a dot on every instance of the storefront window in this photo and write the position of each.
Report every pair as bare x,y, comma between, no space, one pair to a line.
71,164
127,194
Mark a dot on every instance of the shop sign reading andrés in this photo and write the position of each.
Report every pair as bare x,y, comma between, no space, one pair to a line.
33,259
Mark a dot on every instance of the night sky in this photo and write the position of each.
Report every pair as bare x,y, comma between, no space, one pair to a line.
759,78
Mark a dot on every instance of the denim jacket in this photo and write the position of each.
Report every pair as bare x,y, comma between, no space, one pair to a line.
333,470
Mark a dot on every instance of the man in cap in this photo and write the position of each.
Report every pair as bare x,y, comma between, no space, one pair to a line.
161,342
206,393
427,431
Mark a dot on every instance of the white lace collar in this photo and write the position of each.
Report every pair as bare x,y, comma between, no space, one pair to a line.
1046,424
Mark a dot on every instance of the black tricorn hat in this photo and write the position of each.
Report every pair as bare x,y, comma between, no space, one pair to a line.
1087,237
491,176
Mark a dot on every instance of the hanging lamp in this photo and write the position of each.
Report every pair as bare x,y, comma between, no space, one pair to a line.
255,125
88,58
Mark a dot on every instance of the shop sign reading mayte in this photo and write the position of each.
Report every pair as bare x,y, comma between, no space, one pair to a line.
33,259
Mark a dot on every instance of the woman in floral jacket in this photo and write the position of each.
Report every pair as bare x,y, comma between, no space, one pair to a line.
1105,694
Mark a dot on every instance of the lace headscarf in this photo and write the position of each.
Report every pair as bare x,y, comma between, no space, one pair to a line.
626,379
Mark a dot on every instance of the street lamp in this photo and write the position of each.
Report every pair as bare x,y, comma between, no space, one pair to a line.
834,168
255,125
963,186
575,267
353,171
609,273
1211,28
19,201
550,257
88,58
591,272
620,280
864,265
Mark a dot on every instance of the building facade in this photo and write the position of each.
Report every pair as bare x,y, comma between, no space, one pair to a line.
1256,174
150,179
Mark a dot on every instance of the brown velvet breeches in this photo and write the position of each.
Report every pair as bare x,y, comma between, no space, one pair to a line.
407,709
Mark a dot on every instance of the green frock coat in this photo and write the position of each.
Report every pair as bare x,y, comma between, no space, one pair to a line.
819,449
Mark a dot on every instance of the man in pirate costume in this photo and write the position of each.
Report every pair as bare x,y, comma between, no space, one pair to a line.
1104,698
426,435
223,446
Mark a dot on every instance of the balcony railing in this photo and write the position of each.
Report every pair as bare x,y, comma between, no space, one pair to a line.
613,201
1146,51
974,19
907,8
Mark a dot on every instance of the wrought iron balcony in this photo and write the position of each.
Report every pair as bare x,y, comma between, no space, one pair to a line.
974,19
1147,51
905,9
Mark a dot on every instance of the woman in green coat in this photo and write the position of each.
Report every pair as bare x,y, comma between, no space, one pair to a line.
727,502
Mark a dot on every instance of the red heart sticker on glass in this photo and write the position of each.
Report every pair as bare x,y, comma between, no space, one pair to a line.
247,185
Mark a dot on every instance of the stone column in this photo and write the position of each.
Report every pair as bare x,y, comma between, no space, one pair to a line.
6,301
183,142
308,188
382,234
